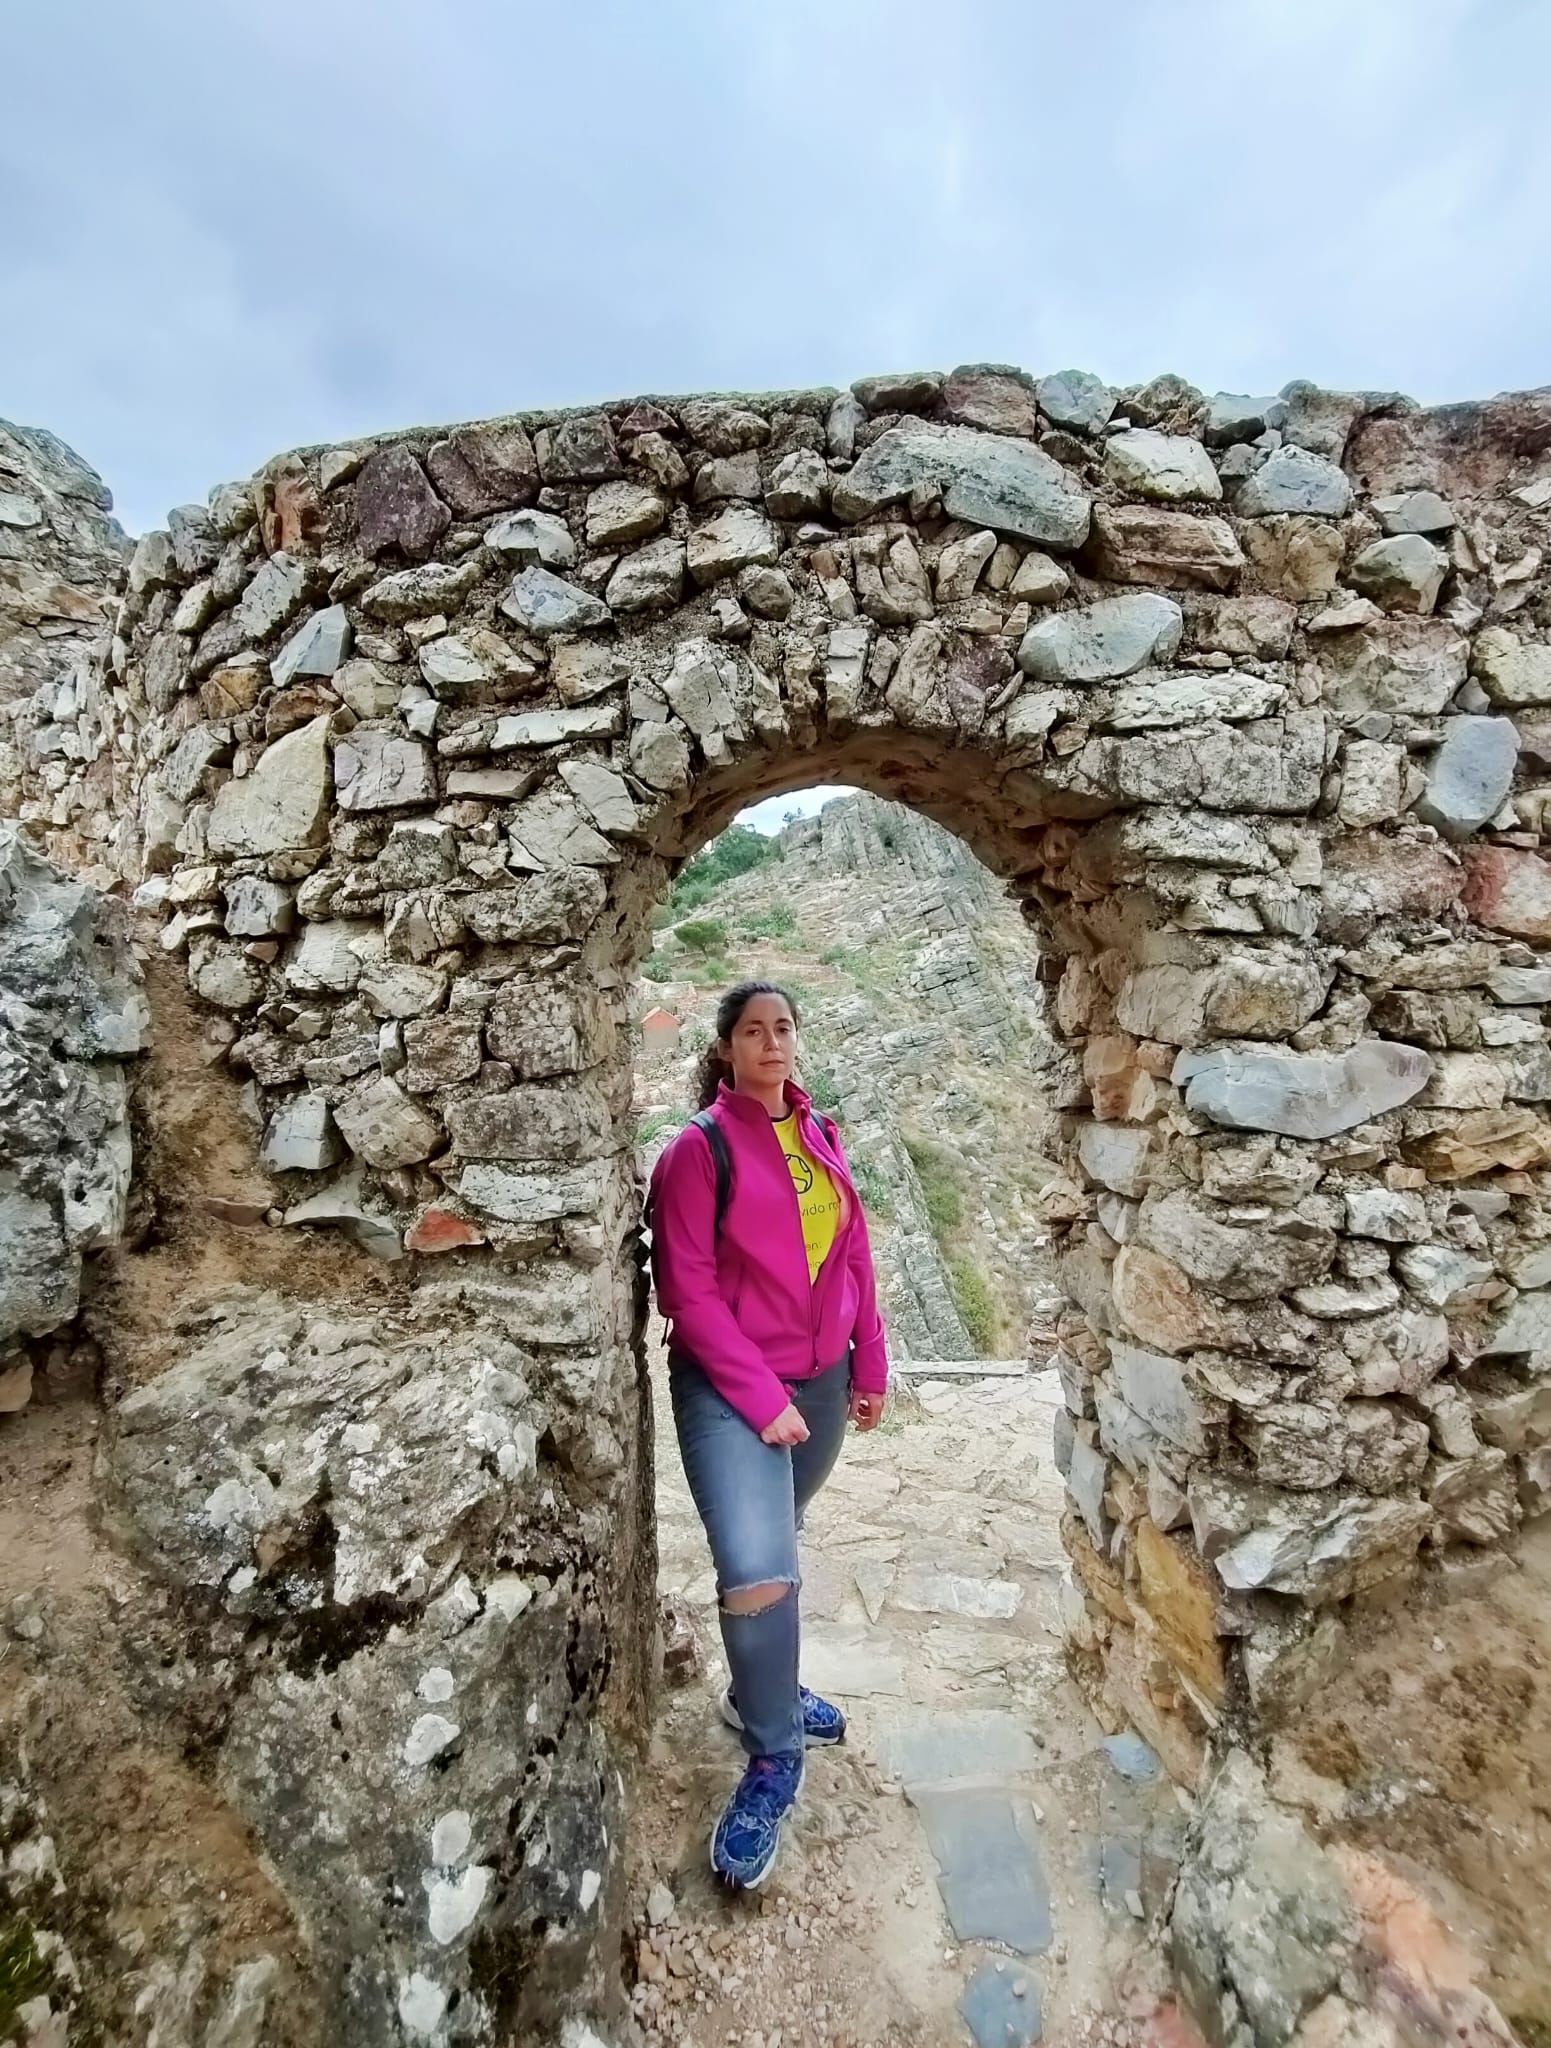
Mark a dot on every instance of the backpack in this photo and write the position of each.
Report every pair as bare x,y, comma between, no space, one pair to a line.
721,1159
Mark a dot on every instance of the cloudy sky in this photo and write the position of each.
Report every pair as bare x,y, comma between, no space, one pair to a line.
228,228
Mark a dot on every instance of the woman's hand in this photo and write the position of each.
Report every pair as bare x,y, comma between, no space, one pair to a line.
867,1410
787,1429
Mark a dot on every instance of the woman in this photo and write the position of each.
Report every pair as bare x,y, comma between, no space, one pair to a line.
774,1342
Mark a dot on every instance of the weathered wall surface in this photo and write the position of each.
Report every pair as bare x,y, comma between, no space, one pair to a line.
72,1012
61,558
1249,701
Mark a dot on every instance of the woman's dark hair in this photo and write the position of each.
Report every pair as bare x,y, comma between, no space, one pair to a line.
713,1070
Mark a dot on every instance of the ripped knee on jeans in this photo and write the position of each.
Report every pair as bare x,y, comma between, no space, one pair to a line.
758,1598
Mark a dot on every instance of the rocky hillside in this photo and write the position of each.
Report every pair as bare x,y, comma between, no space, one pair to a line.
914,975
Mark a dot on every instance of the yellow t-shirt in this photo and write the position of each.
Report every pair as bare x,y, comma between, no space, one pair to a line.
818,1201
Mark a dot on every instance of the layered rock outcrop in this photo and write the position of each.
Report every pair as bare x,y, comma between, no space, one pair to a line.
1243,697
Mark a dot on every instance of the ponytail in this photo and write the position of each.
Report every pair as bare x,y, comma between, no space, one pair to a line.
710,1072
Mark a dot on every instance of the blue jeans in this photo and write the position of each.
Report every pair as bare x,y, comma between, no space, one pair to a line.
751,1496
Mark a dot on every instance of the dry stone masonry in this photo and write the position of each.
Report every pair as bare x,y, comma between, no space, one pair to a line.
1249,701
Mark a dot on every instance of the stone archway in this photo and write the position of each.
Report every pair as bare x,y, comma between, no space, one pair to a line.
405,740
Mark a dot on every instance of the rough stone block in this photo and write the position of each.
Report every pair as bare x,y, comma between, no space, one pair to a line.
982,479
381,771
545,603
395,506
1168,467
1295,480
380,1123
1513,674
1301,1095
301,1137
1075,399
1298,557
1146,544
1116,1156
737,538
1115,637
1510,891
1404,574
1319,1546
479,470
531,1123
281,803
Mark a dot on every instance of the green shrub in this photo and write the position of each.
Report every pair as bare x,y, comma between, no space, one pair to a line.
24,1973
873,1187
939,1185
659,1121
655,968
733,852
977,1310
703,935
779,921
823,1089
714,973
837,956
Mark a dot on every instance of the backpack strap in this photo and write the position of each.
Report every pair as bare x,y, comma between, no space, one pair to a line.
721,1159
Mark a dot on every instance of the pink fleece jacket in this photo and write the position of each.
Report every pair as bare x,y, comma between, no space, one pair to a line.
741,1305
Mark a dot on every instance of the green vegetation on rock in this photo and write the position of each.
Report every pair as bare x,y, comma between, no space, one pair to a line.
975,1303
733,852
778,922
873,1187
939,1184
23,1972
823,1089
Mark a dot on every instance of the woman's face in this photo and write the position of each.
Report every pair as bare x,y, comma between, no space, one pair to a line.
762,1050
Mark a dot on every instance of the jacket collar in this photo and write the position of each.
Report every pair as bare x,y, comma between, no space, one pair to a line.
730,1103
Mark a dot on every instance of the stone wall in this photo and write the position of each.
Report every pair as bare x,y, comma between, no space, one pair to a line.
72,1012
1247,699
61,558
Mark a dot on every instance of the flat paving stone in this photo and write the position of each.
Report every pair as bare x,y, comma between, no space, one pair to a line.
962,1369
1001,2006
825,1585
930,1747
1132,1758
920,1590
1121,1828
873,1578
851,1664
989,1870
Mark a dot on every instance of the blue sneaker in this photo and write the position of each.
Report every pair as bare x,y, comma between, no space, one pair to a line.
822,1724
748,1834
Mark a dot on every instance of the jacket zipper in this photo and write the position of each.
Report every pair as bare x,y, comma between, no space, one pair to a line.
813,1328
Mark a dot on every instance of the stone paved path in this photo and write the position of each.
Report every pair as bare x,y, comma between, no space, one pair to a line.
978,1862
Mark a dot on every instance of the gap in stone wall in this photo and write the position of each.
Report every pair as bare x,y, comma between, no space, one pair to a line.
922,1025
